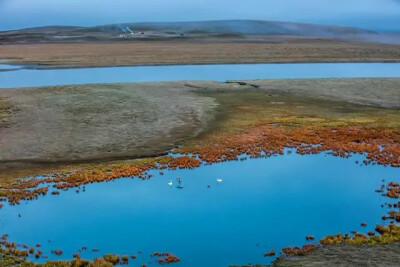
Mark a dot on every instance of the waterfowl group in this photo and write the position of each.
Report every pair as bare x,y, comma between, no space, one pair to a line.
179,181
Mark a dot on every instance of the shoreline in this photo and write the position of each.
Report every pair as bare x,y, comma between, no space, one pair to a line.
40,66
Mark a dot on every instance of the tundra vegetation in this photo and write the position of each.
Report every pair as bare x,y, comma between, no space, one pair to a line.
259,118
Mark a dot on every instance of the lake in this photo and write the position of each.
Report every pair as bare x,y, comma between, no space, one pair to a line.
262,204
15,76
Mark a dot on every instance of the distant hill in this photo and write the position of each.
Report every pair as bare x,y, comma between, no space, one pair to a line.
245,30
255,27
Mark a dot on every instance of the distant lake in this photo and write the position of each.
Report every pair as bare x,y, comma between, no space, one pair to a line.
24,77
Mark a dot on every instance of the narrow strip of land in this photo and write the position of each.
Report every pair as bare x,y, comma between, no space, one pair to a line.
170,52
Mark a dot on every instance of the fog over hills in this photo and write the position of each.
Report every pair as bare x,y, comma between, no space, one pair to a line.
237,29
256,27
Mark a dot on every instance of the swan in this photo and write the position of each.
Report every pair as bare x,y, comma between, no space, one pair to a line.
170,183
219,180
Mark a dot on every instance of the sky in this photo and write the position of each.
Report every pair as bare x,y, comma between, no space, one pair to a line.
380,15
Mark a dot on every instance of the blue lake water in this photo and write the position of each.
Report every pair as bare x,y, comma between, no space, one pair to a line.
262,204
45,77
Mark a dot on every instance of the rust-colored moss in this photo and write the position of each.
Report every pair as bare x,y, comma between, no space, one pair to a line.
310,237
165,257
57,252
23,191
298,251
270,253
380,145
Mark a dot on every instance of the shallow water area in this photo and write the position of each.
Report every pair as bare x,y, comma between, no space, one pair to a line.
29,76
261,204
4,67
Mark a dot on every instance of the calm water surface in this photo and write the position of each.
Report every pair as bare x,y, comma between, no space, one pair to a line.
223,72
262,204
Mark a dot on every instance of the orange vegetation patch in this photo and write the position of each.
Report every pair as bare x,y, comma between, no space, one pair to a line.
380,145
38,253
310,237
124,260
57,252
24,190
298,251
10,248
387,234
15,195
371,233
166,257
184,162
393,190
270,253
393,215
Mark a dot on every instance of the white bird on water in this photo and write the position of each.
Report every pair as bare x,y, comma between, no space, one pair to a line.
219,180
170,183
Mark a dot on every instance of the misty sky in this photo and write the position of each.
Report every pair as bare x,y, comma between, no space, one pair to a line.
373,14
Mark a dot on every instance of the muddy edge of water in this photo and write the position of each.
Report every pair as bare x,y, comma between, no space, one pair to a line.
100,122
